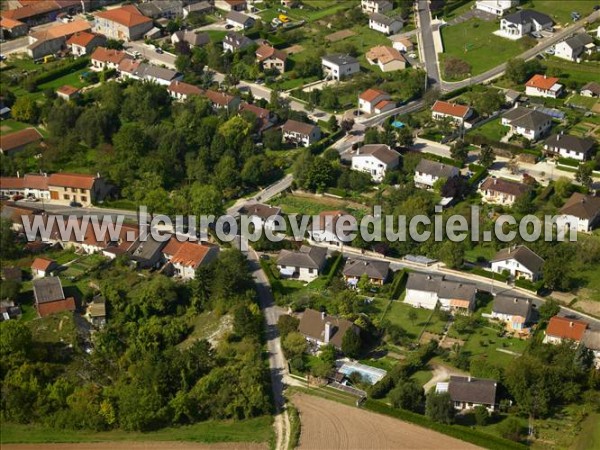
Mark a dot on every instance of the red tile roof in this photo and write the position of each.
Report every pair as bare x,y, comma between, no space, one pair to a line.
259,112
172,246
127,15
190,254
31,10
566,328
179,87
542,82
45,309
371,94
266,51
73,180
7,23
82,38
18,139
128,65
12,183
219,98
36,181
42,264
108,55
67,90
450,109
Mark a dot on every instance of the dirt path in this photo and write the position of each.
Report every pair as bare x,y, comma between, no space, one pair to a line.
129,445
331,425
440,373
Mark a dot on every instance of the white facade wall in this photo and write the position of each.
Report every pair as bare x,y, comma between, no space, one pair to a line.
421,299
515,268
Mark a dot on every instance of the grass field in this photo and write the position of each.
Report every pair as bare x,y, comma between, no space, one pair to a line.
492,130
11,125
253,430
561,11
484,341
398,314
473,41
291,204
584,102
589,438
579,73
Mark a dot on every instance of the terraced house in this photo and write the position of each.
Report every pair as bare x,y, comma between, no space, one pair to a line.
66,188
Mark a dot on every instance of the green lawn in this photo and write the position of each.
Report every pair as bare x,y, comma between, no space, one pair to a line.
561,11
487,252
72,79
579,100
422,376
473,41
492,130
252,430
484,341
568,71
11,125
589,438
398,314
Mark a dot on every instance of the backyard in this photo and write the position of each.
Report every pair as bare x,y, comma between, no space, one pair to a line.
560,11
493,130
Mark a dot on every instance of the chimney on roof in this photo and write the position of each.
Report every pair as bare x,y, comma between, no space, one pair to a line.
495,180
515,300
322,315
571,324
327,332
18,174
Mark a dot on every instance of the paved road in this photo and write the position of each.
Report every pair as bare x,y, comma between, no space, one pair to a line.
15,46
166,59
427,46
265,195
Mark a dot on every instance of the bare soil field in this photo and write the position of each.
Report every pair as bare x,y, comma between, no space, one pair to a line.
130,445
331,425
339,35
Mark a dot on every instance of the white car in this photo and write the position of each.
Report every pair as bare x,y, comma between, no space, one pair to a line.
550,51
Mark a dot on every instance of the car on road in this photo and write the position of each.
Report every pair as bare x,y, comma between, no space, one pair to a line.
536,34
228,26
159,50
75,205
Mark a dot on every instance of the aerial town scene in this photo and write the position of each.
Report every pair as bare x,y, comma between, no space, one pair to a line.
313,224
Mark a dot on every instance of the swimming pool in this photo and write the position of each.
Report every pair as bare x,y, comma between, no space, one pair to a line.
369,373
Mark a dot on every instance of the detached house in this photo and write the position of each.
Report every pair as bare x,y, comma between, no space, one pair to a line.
428,172
457,113
126,23
426,291
14,142
324,228
569,146
519,261
467,393
233,42
42,267
155,74
338,66
84,43
387,59
50,297
304,265
222,100
526,122
496,7
590,89
190,256
384,24
543,86
262,216
402,44
376,6
182,91
71,187
231,5
514,311
320,329
239,20
192,38
572,48
300,133
562,329
502,192
523,22
375,101
376,271
265,118
581,212
270,58
376,160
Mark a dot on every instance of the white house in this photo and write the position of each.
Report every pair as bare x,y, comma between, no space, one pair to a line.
338,66
300,133
428,172
426,291
515,312
496,7
233,42
421,290
190,256
304,265
519,261
261,216
376,6
591,89
569,146
402,44
182,91
572,48
543,86
581,212
469,392
457,113
591,341
373,100
376,160
385,24
239,20
324,228
523,22
42,267
526,122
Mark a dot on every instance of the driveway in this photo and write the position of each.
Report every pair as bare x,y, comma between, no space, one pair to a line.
440,373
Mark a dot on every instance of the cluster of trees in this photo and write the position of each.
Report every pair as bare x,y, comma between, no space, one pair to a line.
137,377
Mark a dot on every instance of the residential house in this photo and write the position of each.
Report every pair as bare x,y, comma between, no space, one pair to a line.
170,9
338,66
469,392
9,311
128,68
104,58
581,212
182,91
147,254
232,5
153,33
300,133
66,188
30,186
428,172
265,118
511,97
17,215
96,312
426,291
502,192
14,142
568,146
591,341
496,7
456,113
233,42
192,38
239,20
591,89
375,101
223,100
543,86
325,228
190,256
562,329
10,28
377,272
156,74
43,267
33,14
320,329
11,186
12,274
526,122
574,47
304,265
387,59
376,6
67,92
202,7
402,44
385,24
126,23
376,160
172,247
523,22
516,312
271,59
52,40
262,216
519,261
50,297
84,43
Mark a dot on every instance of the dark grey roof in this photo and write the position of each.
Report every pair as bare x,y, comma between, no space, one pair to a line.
192,38
312,325
307,257
340,59
436,169
512,305
148,250
380,151
385,20
505,186
593,87
579,41
571,143
472,390
48,289
591,340
146,70
259,210
237,41
523,255
581,206
423,282
528,16
200,6
374,269
456,290
530,119
238,17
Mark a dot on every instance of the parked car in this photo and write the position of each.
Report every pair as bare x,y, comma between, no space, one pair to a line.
228,26
550,51
17,197
75,204
159,50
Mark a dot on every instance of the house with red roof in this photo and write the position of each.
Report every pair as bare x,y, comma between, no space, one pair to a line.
66,188
375,101
564,329
31,185
126,23
41,267
14,142
182,91
84,43
67,92
457,113
543,86
270,58
104,58
50,297
231,5
190,256
10,28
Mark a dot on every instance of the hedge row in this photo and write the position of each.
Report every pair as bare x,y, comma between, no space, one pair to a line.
478,139
568,162
66,69
335,267
318,147
488,274
456,431
478,176
399,283
442,159
526,284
